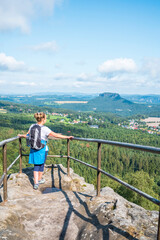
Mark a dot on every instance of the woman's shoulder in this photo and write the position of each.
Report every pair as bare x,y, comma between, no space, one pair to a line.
46,129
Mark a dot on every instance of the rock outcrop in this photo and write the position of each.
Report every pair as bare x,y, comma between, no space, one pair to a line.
67,208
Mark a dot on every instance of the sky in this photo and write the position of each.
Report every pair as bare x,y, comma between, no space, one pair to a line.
87,46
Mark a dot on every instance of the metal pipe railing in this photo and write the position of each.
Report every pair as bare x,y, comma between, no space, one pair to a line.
68,158
125,145
5,172
20,155
121,144
150,198
8,140
99,168
3,179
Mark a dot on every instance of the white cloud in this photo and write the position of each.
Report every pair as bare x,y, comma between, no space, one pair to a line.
18,13
151,67
83,77
25,84
101,79
138,82
9,63
62,76
85,85
2,81
86,77
126,75
47,46
15,14
118,65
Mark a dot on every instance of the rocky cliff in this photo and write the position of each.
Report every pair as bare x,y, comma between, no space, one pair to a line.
67,208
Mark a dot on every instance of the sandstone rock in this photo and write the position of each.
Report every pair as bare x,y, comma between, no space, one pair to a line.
67,208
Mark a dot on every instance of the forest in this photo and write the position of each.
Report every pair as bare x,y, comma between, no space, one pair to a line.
138,168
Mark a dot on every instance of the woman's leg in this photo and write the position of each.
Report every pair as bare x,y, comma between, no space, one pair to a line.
40,173
41,168
36,174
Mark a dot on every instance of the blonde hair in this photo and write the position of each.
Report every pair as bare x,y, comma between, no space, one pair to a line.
39,116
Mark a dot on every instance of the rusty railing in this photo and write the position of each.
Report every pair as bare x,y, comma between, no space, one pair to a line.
3,179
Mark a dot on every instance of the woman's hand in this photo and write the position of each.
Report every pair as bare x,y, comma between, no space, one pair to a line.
22,135
70,137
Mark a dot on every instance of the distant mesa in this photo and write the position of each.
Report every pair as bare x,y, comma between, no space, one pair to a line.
110,95
114,96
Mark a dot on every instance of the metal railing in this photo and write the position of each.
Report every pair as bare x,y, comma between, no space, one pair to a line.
154,150
3,179
99,170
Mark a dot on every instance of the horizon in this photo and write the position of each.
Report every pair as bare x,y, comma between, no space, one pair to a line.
73,94
88,47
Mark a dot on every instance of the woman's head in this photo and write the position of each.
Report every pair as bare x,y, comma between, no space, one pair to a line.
40,116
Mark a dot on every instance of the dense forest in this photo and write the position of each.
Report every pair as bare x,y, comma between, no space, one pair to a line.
135,167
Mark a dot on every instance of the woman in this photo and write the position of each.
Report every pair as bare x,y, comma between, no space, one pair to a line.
38,157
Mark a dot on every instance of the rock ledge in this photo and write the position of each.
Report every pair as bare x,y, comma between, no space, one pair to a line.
67,208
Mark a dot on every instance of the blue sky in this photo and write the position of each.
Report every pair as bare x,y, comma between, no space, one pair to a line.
85,46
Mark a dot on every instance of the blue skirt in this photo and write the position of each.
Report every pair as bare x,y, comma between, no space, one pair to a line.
37,156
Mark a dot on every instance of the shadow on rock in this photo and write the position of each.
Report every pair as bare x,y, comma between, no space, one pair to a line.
29,173
99,231
60,170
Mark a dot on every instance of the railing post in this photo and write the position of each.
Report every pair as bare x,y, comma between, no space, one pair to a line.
99,167
20,152
158,233
5,172
68,159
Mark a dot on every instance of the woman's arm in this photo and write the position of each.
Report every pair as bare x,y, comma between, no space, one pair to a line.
23,135
57,135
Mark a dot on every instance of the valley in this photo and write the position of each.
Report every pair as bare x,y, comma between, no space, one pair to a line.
104,102
131,166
